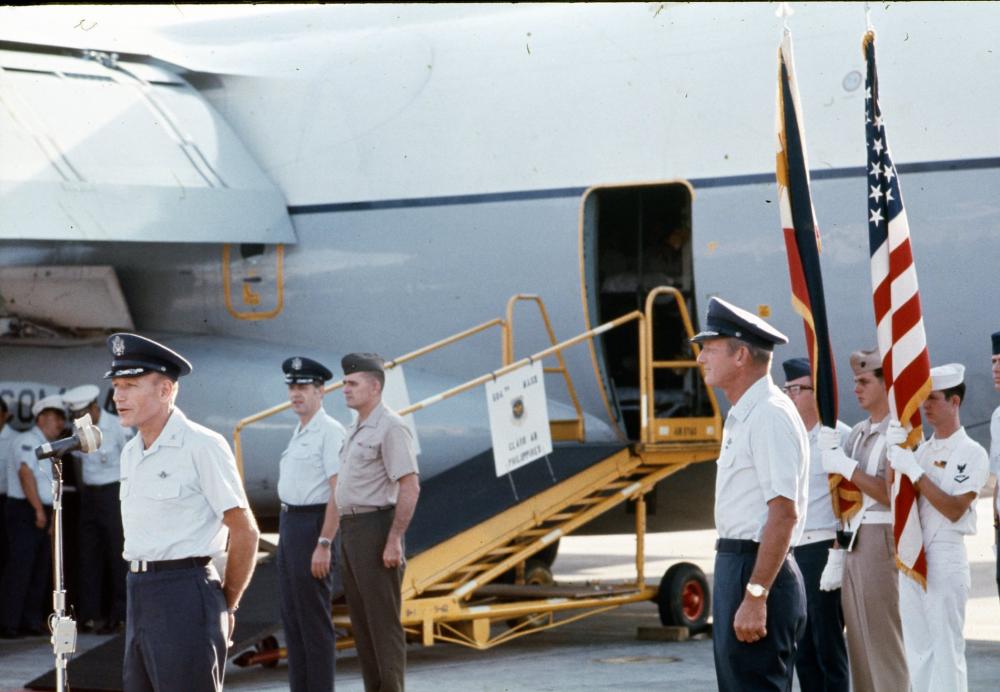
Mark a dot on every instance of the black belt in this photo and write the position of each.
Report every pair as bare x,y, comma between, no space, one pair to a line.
136,566
736,545
312,509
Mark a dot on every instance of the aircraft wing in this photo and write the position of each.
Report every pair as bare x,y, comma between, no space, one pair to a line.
101,148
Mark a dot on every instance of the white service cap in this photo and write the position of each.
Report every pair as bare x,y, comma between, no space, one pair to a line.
947,376
81,397
54,401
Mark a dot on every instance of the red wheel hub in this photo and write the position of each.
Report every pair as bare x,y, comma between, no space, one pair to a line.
692,599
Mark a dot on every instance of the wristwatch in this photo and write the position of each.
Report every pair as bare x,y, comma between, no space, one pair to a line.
756,590
325,542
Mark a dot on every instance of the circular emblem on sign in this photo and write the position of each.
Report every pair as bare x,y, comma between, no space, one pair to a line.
517,408
118,346
296,363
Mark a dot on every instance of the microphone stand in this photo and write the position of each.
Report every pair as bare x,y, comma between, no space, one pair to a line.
62,626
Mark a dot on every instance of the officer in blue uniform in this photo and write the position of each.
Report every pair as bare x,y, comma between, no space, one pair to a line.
307,480
761,492
101,538
29,518
183,503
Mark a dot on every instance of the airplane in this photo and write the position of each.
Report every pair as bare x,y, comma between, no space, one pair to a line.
249,183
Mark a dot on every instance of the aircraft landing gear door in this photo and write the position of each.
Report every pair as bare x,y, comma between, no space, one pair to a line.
253,280
634,239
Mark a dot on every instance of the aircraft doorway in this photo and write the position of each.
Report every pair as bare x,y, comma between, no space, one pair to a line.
635,238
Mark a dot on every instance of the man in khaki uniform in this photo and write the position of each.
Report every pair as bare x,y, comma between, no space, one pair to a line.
376,494
870,590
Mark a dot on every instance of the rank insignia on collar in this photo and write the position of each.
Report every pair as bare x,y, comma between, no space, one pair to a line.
163,474
118,346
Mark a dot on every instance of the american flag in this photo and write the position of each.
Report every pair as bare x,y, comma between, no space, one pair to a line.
898,318
802,244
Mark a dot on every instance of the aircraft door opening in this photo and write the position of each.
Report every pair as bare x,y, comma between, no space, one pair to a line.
634,239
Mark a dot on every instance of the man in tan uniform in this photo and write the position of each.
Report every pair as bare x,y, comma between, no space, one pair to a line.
376,494
870,589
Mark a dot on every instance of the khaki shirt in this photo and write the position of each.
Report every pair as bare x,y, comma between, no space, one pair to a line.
376,454
860,444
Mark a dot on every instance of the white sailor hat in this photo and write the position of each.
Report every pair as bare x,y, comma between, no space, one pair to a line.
79,398
725,319
947,376
52,401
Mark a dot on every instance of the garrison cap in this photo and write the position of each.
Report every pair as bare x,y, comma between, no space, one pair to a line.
865,361
299,370
796,367
136,355
52,402
947,376
362,362
725,319
996,343
79,398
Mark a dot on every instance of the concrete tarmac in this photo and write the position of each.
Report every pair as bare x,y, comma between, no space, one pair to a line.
596,653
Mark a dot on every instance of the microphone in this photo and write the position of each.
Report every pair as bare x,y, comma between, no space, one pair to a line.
86,439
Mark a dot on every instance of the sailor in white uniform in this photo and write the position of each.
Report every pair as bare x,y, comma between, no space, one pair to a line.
948,471
307,480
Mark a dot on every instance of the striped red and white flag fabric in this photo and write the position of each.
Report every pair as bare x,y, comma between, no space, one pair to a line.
898,317
802,244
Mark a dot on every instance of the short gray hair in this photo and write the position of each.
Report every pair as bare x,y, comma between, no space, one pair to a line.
758,354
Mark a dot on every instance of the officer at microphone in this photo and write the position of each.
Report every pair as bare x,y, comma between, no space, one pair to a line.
29,514
101,540
183,503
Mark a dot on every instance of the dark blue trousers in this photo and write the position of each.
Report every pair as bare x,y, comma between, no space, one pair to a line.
996,530
305,604
822,660
28,576
175,631
101,542
766,664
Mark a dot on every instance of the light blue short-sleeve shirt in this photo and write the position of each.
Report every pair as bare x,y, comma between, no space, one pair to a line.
23,454
995,448
310,460
765,454
819,513
6,452
174,493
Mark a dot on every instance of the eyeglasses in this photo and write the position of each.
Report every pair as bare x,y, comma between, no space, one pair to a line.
796,389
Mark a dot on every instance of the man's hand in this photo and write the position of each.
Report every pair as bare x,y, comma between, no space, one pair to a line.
321,561
904,461
895,434
835,461
828,438
750,623
392,556
40,519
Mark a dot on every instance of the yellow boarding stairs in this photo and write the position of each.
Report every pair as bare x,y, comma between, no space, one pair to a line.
449,590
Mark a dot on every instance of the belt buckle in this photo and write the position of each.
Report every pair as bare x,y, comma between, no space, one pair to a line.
136,566
284,507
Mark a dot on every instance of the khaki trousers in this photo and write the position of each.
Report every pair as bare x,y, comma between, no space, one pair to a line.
374,600
870,598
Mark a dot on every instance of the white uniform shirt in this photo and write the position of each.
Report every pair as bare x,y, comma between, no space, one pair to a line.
104,465
175,493
995,448
819,514
958,465
311,458
6,452
765,453
23,454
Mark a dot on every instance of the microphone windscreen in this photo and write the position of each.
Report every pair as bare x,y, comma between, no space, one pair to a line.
90,438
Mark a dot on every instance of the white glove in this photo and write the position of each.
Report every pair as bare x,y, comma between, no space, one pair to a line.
835,461
895,434
833,573
828,438
904,461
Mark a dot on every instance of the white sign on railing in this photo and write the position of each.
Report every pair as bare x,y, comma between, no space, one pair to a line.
519,418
